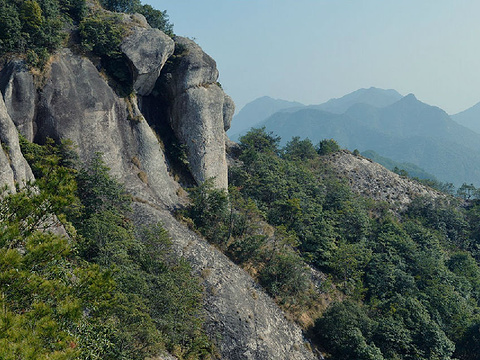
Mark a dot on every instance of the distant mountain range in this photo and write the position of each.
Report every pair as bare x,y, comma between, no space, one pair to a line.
399,128
469,118
256,111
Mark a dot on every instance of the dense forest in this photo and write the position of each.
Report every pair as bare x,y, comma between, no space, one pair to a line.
398,285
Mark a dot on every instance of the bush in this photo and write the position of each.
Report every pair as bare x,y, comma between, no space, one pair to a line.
327,146
102,34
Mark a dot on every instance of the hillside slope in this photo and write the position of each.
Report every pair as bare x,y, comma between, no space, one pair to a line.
75,101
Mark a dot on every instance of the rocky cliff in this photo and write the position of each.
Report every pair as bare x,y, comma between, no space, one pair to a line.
374,181
173,90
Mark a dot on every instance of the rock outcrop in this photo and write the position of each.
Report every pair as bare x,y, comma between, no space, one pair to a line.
19,93
147,50
245,322
13,167
374,181
198,111
77,103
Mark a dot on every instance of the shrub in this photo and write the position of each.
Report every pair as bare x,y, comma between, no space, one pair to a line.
327,146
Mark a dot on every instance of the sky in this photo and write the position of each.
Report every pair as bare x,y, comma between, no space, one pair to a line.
314,50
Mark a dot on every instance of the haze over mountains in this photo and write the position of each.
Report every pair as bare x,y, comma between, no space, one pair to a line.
469,118
403,129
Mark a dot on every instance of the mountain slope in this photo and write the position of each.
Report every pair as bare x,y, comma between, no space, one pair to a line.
256,111
469,118
260,109
143,137
372,96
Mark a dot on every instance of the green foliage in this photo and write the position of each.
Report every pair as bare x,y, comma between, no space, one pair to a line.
327,146
468,192
297,149
102,34
10,27
260,141
31,27
156,18
346,330
128,6
410,282
109,292
36,28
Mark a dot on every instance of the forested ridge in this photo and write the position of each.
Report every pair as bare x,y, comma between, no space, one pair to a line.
396,285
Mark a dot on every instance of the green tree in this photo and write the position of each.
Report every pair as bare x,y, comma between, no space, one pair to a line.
10,27
156,18
345,330
297,149
327,146
31,17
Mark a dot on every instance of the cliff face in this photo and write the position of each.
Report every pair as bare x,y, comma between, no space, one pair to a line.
75,102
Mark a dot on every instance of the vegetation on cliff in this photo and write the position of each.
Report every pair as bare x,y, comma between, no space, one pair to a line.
36,28
405,288
105,291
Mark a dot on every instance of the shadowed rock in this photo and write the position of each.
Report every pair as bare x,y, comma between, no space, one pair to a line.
13,166
19,93
147,50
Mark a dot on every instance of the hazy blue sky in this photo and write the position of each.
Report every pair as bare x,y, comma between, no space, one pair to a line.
313,50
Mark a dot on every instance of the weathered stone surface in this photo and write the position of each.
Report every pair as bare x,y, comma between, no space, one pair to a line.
228,111
147,50
76,103
19,93
374,181
13,166
197,119
246,322
193,67
199,111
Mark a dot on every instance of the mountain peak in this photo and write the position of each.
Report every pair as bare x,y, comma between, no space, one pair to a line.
372,96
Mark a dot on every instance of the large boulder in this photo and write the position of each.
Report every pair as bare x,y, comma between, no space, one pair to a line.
199,110
19,93
147,50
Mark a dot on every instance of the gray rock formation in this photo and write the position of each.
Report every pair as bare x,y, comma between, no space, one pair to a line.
374,181
13,166
147,50
77,103
19,93
199,111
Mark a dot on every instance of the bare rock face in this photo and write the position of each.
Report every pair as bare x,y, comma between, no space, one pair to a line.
147,50
19,93
199,111
245,321
77,104
373,180
14,168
